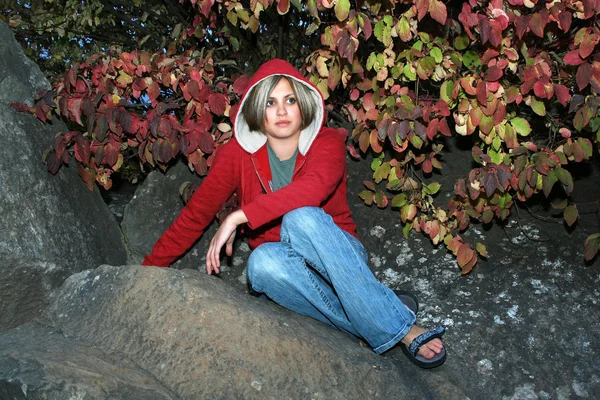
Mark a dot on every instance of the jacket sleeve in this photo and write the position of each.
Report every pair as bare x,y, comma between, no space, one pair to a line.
324,169
217,187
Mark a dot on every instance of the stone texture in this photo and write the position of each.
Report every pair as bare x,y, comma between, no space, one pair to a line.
38,363
45,219
155,205
202,339
525,323
26,288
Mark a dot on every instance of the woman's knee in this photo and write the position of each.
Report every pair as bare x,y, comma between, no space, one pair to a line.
265,265
307,219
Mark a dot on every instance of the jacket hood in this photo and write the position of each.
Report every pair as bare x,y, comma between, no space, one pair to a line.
251,140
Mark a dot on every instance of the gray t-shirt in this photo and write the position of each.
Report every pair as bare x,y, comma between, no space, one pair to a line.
281,171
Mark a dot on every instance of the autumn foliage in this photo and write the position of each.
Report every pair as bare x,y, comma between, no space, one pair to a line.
521,78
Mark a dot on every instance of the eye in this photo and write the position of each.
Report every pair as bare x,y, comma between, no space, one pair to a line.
270,103
291,100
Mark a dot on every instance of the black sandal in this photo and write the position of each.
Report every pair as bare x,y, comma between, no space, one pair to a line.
410,300
412,351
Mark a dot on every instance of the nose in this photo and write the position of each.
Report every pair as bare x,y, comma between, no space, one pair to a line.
281,111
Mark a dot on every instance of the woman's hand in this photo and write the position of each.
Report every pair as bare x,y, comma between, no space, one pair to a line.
224,236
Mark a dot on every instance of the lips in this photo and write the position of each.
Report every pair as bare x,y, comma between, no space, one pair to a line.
282,123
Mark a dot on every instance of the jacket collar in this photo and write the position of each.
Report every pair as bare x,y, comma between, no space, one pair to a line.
262,168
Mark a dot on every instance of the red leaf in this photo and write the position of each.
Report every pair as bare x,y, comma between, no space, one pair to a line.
444,127
75,109
583,76
206,6
589,8
572,58
217,103
437,10
522,24
193,89
432,129
153,92
537,24
427,167
22,107
493,74
595,81
565,19
283,6
482,92
587,44
111,155
499,114
543,89
206,142
464,255
422,8
562,94
241,84
495,33
367,28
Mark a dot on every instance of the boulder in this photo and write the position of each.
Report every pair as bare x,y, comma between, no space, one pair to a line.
155,205
202,339
39,363
46,220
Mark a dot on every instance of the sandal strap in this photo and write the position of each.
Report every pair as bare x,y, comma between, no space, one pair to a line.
425,338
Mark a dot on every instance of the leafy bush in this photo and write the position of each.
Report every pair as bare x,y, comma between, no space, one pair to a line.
521,78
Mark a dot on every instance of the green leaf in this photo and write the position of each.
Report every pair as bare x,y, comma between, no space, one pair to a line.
406,229
537,106
481,249
521,125
549,182
342,8
437,55
446,91
432,188
570,215
566,179
591,245
471,60
399,200
412,76
461,42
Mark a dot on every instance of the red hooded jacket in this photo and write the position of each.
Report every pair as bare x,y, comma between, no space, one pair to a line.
242,166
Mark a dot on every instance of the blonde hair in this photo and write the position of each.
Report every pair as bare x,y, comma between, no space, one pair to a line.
254,108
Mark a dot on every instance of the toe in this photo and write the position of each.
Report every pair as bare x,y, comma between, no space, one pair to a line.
426,352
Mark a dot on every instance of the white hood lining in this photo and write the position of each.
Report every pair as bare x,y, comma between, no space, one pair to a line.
251,140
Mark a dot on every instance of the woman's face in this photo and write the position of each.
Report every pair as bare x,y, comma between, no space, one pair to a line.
282,117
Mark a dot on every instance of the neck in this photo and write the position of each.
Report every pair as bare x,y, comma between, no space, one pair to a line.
284,148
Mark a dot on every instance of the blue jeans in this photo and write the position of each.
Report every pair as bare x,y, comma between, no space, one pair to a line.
321,271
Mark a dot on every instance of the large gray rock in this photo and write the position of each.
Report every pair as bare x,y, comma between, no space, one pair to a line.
202,339
26,288
49,220
38,363
524,324
155,206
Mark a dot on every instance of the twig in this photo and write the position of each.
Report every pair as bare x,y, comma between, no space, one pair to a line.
523,231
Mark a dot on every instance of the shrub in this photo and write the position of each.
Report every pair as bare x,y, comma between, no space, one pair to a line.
521,78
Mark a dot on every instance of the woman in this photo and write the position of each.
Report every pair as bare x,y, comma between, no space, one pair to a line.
289,173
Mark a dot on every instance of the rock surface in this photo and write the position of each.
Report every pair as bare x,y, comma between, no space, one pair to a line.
155,205
525,324
46,220
38,363
202,339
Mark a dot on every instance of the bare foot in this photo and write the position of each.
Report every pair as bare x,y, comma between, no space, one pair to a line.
427,350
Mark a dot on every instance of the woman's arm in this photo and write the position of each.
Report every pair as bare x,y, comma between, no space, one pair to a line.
217,187
324,171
